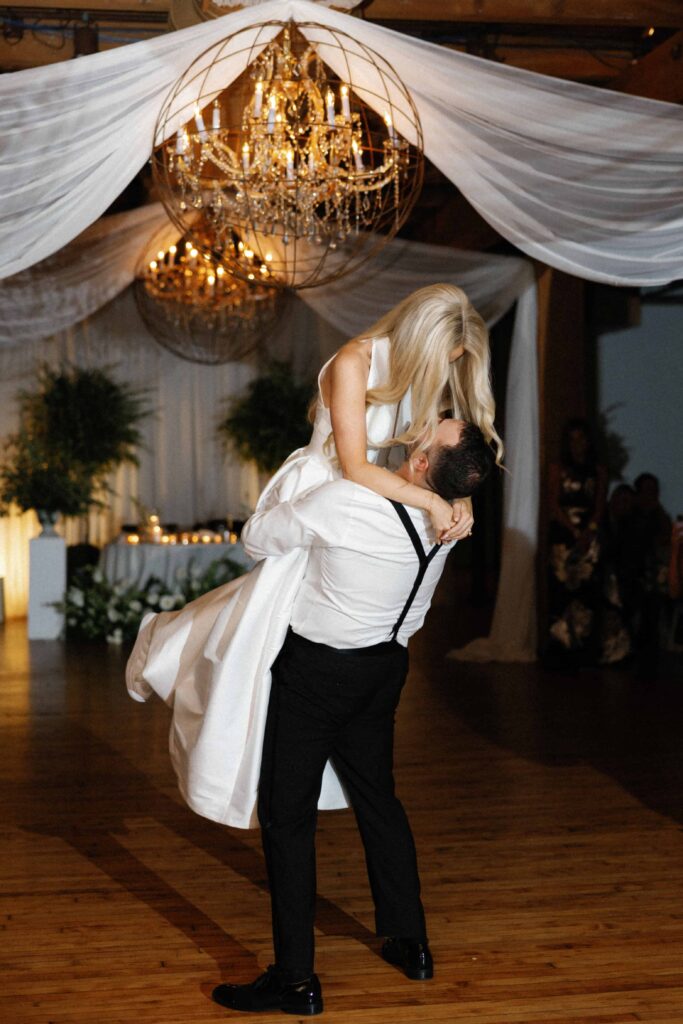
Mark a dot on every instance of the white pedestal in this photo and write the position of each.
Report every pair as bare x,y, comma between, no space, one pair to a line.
47,583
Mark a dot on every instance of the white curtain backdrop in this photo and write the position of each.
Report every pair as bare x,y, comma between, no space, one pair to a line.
183,472
584,179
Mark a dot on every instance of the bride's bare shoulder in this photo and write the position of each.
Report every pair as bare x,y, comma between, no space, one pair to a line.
356,352
351,362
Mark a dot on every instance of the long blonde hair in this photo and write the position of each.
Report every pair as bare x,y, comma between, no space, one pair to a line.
424,328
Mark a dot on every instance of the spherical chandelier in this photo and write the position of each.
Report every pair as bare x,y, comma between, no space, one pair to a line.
197,308
311,154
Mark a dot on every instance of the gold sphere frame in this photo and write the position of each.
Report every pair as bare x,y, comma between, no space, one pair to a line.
343,180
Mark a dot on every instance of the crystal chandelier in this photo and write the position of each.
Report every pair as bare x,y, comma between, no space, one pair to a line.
291,156
197,308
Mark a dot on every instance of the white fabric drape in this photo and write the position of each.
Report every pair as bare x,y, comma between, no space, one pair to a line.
182,472
59,292
586,180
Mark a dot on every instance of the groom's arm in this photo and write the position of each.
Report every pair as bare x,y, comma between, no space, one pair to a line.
320,519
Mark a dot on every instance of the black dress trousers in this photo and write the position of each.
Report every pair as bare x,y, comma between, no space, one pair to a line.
340,705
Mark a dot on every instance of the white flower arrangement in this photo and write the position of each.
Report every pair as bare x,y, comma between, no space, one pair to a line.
96,609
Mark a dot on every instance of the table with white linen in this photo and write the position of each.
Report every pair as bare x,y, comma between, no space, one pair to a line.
137,563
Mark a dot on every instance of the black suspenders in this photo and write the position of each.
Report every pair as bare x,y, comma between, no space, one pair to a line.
423,559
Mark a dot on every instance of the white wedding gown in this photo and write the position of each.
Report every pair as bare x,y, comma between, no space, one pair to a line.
211,660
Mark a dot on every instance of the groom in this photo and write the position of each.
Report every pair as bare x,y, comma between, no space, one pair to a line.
336,684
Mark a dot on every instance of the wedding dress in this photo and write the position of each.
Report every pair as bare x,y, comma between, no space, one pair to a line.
211,660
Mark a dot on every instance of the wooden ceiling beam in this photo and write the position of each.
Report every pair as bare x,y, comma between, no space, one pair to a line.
28,7
659,76
659,13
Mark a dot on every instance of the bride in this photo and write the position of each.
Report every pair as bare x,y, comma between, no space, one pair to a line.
211,660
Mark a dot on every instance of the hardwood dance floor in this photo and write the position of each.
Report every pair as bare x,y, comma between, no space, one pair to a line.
547,811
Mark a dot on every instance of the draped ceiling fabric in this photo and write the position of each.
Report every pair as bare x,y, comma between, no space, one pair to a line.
584,179
182,470
64,289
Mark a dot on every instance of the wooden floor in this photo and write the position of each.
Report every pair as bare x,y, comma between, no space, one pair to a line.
547,812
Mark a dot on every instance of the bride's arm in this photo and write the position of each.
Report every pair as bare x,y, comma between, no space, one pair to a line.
345,390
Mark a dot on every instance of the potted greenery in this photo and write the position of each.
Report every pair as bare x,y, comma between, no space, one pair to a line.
76,427
270,420
32,477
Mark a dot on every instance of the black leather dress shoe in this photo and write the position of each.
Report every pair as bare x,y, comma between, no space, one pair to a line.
411,956
271,992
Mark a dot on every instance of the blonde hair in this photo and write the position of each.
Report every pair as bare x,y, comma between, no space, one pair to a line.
424,329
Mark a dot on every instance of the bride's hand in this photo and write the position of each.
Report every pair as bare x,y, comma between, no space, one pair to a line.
441,515
461,523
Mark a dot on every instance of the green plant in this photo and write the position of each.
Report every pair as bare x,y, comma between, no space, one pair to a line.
75,428
88,417
270,420
32,477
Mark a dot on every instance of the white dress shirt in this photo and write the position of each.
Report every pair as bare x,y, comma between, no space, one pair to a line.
361,567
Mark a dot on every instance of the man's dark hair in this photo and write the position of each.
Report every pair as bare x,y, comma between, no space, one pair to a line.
457,469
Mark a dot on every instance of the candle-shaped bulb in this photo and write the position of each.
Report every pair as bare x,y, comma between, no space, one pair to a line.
346,106
258,98
215,117
153,265
357,156
180,142
160,254
272,104
390,128
329,101
289,162
172,250
245,157
199,122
